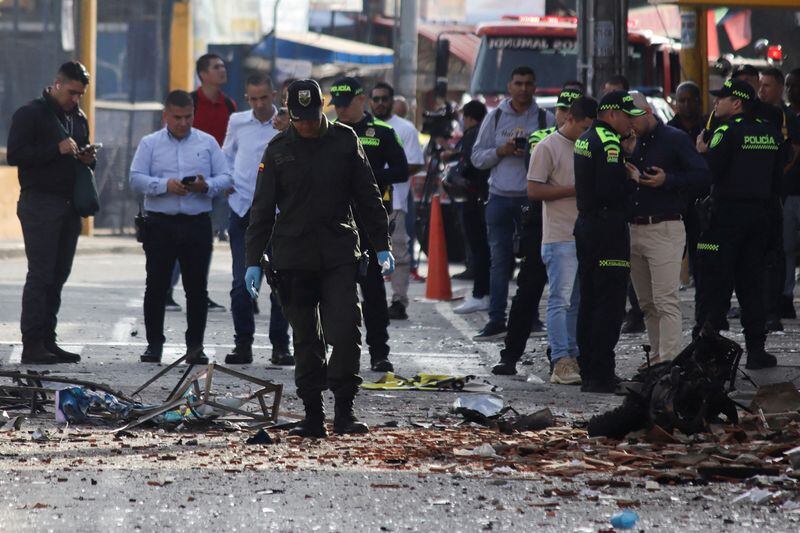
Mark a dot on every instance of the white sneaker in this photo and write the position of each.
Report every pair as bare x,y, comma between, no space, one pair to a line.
471,305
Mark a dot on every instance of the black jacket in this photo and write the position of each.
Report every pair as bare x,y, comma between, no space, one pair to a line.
687,172
33,146
745,161
385,153
478,178
313,183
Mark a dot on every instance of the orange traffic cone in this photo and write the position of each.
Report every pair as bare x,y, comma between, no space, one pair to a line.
438,285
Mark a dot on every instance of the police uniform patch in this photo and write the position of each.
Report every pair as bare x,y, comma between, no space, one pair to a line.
612,155
716,139
370,132
304,97
261,167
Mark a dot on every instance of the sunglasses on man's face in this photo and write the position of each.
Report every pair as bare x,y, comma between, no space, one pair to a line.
377,99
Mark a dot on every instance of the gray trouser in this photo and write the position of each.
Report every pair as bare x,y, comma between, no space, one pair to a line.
402,258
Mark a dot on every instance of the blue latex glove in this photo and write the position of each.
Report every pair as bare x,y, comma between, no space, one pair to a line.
252,281
386,261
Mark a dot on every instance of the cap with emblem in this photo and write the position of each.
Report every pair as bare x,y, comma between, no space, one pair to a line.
304,100
344,90
619,101
567,96
736,88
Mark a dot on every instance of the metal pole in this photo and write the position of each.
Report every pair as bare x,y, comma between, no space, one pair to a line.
274,67
407,62
395,42
610,20
88,56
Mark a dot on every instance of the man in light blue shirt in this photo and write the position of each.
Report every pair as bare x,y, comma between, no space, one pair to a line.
179,170
248,134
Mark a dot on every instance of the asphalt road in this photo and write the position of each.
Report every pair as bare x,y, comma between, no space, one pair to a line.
102,318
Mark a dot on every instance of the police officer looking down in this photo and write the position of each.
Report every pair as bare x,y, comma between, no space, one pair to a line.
313,172
743,156
389,165
603,183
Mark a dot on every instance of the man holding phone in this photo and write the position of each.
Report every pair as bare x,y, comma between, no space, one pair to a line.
179,170
502,147
671,170
45,143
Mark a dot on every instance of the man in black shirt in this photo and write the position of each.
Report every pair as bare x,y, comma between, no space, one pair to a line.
743,155
770,92
689,118
603,183
389,165
671,169
48,139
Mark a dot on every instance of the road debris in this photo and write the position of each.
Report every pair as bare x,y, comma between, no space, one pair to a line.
429,382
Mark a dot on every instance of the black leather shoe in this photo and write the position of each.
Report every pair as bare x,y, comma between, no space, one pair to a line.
773,324
397,311
505,368
313,425
381,365
63,355
537,326
196,356
313,428
151,355
345,421
242,354
758,359
492,331
281,356
36,353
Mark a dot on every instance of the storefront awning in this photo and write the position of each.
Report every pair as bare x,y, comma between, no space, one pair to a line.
321,49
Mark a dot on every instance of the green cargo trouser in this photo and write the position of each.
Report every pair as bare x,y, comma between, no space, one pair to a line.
323,309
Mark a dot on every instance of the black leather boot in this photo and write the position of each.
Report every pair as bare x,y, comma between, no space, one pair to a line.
36,353
242,354
344,420
63,355
313,425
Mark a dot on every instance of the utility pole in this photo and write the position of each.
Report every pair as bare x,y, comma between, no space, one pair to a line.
88,56
405,63
602,42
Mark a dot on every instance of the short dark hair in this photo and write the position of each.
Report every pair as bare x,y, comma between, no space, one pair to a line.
690,86
386,87
574,84
775,73
179,98
204,61
474,109
619,79
522,70
583,107
75,71
744,70
259,78
794,72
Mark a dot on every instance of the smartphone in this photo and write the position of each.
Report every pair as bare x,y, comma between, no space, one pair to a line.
650,170
188,179
95,147
520,143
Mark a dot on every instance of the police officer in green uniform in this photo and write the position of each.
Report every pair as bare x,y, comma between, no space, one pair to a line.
743,155
313,173
532,276
603,182
387,158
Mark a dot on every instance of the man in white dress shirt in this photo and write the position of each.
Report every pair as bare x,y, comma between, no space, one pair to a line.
247,137
381,100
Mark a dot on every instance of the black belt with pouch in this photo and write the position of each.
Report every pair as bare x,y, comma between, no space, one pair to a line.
140,223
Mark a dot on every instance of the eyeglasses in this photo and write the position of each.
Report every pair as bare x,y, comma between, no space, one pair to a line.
377,99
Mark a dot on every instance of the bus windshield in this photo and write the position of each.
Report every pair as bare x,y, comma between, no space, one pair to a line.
554,59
